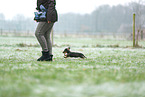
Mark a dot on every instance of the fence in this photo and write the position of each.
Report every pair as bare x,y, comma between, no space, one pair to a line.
16,33
76,34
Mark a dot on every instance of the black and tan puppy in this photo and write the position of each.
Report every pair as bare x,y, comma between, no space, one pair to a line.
68,53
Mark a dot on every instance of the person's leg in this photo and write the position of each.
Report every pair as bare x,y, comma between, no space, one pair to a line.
48,38
40,33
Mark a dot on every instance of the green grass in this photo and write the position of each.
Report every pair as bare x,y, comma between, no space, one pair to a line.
107,72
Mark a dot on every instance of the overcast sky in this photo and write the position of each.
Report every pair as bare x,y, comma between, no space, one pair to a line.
10,8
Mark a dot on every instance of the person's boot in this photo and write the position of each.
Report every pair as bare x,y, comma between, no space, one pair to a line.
51,58
45,56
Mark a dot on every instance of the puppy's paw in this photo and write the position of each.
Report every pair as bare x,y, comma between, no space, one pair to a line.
65,55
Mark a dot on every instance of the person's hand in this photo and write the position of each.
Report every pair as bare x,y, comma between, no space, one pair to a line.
49,21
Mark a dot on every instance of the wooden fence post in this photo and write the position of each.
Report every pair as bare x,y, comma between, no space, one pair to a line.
133,30
1,31
52,36
141,34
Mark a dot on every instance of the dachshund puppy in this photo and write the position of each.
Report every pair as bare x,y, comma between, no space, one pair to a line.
68,53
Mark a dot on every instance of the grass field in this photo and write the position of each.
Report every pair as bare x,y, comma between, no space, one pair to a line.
112,69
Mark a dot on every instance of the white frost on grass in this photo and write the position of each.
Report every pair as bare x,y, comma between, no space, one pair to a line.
88,66
108,67
109,89
61,66
132,67
30,66
1,64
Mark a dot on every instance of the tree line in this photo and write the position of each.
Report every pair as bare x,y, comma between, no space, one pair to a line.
18,23
114,19
105,18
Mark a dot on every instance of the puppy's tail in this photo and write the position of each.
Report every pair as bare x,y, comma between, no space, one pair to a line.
84,57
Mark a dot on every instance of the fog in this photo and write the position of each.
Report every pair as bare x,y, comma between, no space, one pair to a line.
80,17
10,8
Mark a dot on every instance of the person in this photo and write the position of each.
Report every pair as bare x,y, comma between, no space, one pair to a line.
44,28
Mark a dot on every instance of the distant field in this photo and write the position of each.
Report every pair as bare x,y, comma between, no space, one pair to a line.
112,69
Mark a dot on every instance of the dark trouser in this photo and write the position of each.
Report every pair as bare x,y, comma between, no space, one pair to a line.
42,34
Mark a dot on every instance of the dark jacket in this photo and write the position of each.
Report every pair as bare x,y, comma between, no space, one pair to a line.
51,11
